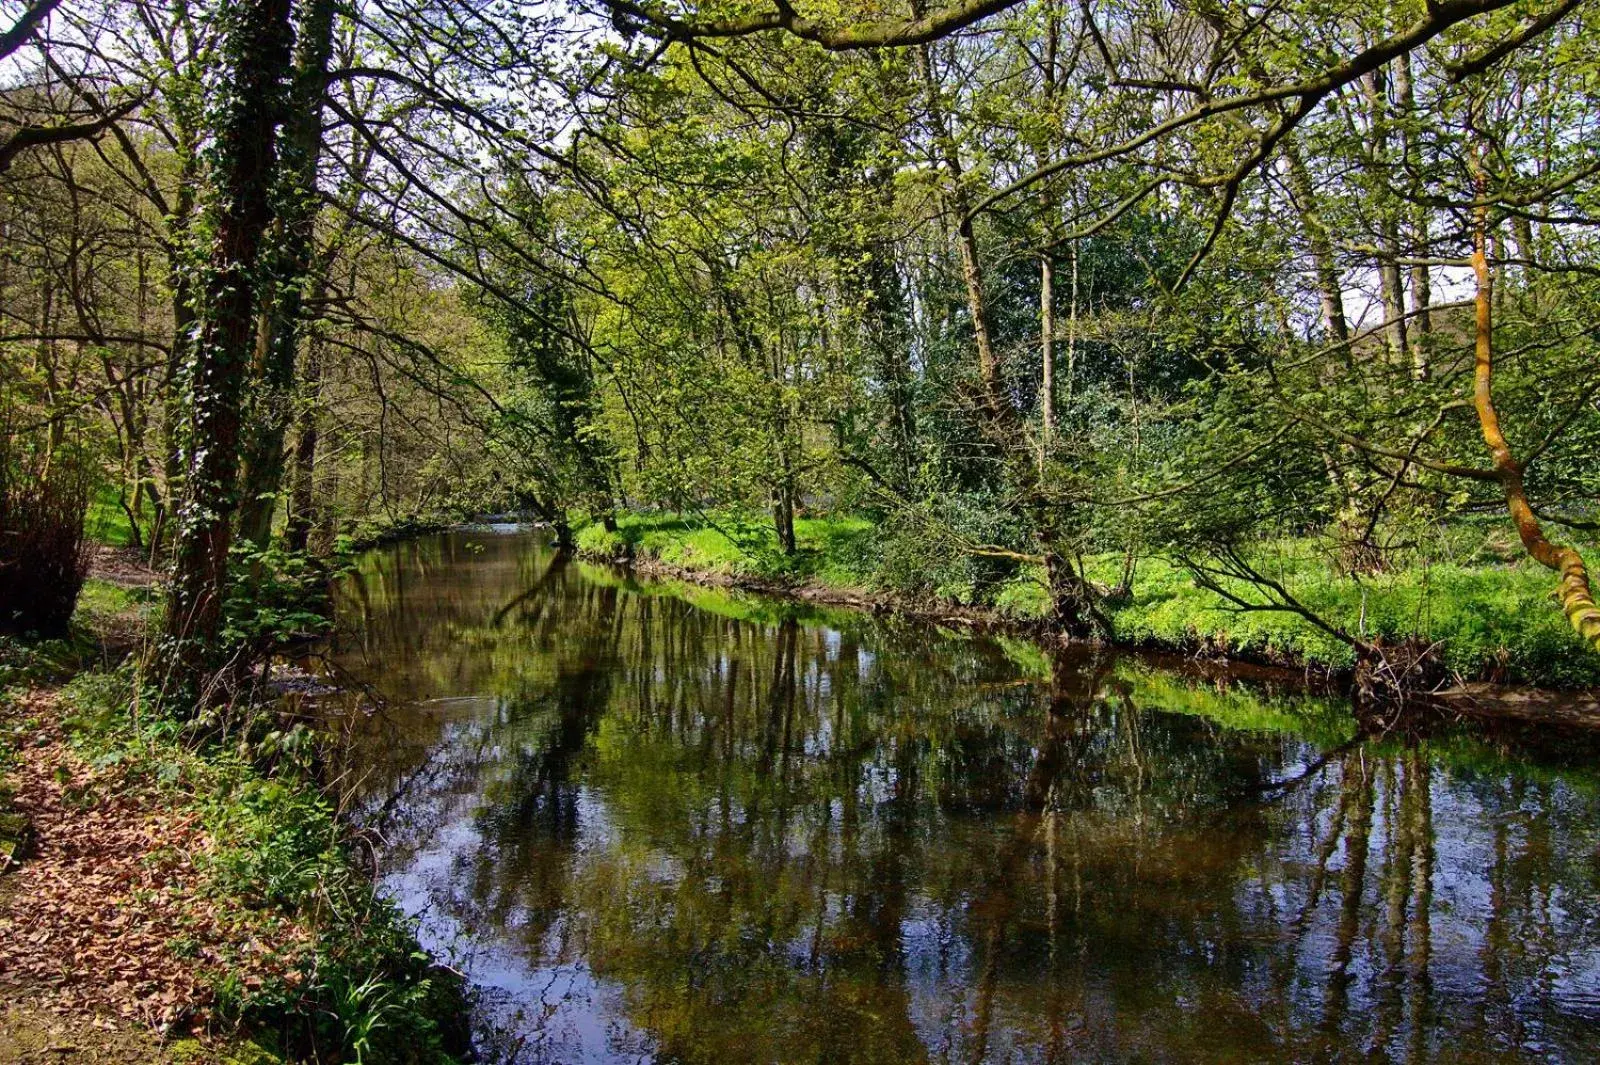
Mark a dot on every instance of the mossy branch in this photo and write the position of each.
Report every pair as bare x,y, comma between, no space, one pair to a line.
1574,592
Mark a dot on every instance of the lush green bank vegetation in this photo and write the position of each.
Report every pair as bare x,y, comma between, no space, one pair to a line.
1488,618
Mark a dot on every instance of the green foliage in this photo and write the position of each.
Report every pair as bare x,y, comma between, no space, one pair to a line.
29,663
836,551
275,596
105,599
379,529
284,844
597,541
107,520
1490,619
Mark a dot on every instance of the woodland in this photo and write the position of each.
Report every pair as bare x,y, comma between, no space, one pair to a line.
1263,330
1285,304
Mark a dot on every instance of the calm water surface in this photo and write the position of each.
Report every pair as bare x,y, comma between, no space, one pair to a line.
661,824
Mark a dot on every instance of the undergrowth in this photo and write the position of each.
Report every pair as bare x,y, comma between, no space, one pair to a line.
351,984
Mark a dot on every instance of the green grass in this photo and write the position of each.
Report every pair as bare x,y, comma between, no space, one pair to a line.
107,522
101,602
833,551
1491,618
1496,621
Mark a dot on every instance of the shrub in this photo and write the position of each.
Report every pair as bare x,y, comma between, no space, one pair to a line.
44,557
275,597
928,557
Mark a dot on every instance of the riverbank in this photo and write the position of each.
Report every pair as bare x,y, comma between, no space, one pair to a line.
1490,620
171,900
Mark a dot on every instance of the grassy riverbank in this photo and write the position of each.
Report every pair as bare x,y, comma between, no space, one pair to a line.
187,901
107,523
1490,613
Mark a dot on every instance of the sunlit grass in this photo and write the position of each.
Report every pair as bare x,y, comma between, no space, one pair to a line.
107,521
834,551
1490,618
1497,620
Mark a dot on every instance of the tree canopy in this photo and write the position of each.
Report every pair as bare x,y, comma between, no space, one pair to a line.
1030,286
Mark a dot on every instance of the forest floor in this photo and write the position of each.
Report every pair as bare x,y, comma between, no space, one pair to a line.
173,901
1488,614
110,924
35,1033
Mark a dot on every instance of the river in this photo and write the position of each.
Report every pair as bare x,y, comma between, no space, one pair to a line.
658,823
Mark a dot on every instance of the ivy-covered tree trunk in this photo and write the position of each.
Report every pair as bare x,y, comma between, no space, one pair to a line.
288,265
256,39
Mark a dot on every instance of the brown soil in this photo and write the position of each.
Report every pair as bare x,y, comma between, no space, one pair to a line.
1532,706
33,1032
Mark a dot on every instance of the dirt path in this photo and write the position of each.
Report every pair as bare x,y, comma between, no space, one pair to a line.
126,567
33,1032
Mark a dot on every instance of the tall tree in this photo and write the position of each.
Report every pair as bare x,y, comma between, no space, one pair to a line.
255,41
286,275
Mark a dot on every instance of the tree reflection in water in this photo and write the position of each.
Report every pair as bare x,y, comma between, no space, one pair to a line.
667,824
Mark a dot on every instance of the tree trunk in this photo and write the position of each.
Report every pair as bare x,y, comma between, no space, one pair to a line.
1073,597
1324,266
966,240
1421,317
303,498
1074,602
255,41
1047,268
783,517
1072,327
1421,241
1577,600
1394,293
1355,553
1527,251
1390,282
286,276
783,495
1047,349
884,319
182,280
